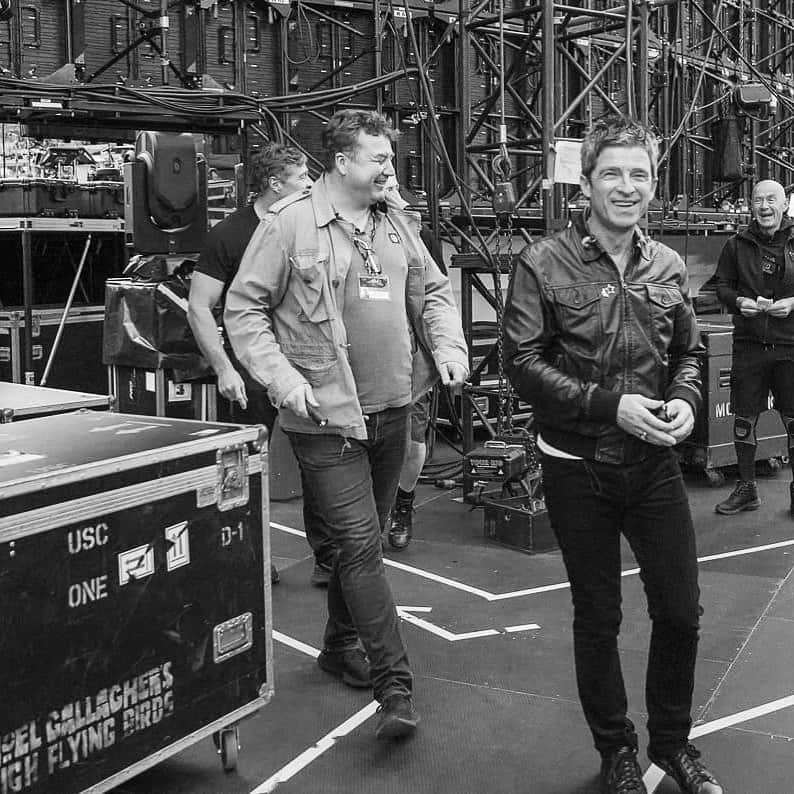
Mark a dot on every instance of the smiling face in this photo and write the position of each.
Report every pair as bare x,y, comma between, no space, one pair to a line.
619,187
368,169
769,204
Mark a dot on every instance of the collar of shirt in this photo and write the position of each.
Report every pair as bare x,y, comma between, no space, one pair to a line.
324,210
592,248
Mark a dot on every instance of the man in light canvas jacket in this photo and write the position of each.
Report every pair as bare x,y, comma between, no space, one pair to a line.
341,313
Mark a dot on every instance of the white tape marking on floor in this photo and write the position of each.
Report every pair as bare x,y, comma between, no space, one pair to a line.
401,566
296,644
654,776
312,753
753,550
291,530
488,596
445,634
524,627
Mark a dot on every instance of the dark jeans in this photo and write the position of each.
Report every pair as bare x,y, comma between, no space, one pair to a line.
590,505
353,484
318,533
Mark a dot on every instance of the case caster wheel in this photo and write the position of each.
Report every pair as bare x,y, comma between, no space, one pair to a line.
715,477
227,743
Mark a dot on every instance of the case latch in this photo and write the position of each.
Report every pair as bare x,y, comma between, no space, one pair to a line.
232,487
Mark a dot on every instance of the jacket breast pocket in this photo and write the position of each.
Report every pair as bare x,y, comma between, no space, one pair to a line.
578,310
307,283
313,361
664,304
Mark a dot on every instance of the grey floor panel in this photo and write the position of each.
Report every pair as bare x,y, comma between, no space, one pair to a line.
762,673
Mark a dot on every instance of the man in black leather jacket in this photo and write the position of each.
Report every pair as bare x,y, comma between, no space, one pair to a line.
601,338
755,281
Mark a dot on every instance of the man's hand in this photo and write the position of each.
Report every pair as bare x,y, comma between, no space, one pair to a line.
781,308
301,401
231,386
682,420
636,415
748,307
453,375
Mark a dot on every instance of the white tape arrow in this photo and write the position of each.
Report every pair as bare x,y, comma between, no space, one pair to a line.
406,613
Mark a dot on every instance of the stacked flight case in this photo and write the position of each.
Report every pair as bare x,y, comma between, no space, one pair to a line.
18,401
134,579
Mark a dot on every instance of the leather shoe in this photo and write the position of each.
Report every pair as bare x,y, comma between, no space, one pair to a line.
687,770
621,774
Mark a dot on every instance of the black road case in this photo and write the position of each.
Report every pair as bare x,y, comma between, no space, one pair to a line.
135,592
18,401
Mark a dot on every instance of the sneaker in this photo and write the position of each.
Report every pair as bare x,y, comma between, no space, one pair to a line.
275,578
744,497
398,717
401,522
351,666
621,774
321,574
690,774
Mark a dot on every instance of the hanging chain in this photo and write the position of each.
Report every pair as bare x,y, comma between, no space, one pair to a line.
504,403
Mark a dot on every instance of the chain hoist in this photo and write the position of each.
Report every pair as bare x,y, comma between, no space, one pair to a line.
503,210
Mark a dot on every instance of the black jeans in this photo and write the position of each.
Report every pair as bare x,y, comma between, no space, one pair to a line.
590,505
353,484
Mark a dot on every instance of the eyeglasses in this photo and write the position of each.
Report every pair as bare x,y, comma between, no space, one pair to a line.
364,248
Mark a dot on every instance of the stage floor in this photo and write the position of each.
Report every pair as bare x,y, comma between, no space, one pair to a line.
497,697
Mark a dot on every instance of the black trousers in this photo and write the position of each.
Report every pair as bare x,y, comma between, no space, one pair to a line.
591,505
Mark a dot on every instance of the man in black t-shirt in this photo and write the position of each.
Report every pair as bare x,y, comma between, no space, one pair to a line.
278,171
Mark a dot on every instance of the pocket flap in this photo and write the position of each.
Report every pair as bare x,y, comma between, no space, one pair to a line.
664,296
576,297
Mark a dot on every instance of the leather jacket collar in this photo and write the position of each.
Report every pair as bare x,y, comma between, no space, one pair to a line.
592,248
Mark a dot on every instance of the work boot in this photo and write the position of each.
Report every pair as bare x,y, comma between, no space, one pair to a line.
690,774
398,717
350,665
621,774
401,521
321,574
744,497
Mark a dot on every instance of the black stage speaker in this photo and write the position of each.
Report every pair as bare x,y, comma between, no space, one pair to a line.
165,195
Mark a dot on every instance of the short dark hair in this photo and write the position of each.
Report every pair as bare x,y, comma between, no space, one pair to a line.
272,160
341,133
617,131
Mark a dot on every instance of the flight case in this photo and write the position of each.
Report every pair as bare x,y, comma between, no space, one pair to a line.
18,401
711,447
135,584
